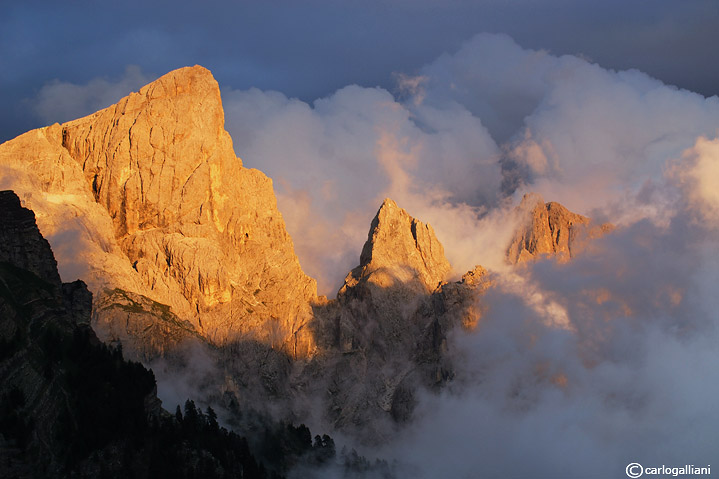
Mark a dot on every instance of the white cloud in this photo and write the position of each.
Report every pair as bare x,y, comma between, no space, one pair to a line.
698,176
333,163
59,101
582,367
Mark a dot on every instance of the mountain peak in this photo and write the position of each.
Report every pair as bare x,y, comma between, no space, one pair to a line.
193,92
163,138
550,229
184,79
387,212
400,250
159,205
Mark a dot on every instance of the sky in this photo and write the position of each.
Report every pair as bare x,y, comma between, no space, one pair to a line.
310,49
455,109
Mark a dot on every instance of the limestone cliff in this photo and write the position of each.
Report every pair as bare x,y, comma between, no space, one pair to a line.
385,335
147,197
550,229
401,264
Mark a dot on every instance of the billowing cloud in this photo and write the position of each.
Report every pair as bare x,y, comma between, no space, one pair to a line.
576,133
334,161
698,175
631,381
575,369
596,140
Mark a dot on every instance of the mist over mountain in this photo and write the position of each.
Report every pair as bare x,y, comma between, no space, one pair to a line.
464,326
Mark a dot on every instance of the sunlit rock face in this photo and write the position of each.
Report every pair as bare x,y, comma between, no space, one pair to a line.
385,335
401,264
550,229
148,197
146,329
400,252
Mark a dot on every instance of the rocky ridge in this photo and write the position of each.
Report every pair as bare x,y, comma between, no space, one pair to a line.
401,263
160,206
385,336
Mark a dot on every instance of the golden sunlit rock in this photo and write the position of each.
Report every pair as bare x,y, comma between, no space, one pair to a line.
400,252
551,229
161,207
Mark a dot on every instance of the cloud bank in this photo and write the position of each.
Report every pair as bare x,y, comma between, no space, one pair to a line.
631,380
627,374
333,162
472,130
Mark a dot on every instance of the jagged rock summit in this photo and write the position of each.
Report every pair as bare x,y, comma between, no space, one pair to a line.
384,337
402,263
148,197
400,251
159,157
550,229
